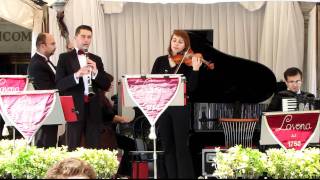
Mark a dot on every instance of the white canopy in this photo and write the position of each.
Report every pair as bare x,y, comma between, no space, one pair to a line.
277,43
194,1
50,2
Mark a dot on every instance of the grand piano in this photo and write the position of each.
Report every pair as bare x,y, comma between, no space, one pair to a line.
234,79
236,88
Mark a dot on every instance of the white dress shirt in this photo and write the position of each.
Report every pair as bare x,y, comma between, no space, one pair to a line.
83,62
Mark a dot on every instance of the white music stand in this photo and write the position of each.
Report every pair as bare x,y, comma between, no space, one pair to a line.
126,101
56,117
124,97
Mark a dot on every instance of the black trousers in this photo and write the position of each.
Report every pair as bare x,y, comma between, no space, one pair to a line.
90,128
1,126
174,132
127,145
46,136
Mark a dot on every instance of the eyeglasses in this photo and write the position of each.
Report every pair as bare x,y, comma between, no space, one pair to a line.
297,82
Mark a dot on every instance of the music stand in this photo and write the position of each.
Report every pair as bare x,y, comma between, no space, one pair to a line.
177,100
17,83
56,117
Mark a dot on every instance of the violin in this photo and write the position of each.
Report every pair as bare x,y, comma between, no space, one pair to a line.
187,59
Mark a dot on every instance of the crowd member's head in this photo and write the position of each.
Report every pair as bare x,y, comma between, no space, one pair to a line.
179,42
46,44
71,168
293,78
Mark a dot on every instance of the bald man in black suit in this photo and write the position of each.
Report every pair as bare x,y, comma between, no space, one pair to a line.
42,72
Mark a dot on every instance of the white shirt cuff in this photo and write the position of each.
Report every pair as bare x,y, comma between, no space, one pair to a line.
76,79
94,74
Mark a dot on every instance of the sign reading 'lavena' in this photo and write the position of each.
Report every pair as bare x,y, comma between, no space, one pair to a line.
293,130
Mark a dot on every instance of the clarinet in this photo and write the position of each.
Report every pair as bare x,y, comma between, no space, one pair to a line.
90,89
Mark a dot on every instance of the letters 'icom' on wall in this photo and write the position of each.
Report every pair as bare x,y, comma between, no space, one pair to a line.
14,38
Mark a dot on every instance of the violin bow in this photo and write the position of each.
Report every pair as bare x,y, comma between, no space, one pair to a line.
184,56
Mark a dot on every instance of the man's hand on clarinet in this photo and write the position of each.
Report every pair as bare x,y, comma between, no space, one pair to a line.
92,64
83,71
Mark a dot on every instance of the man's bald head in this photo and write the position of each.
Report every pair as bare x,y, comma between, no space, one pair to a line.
46,44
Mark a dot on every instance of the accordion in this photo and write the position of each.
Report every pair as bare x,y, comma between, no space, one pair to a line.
296,104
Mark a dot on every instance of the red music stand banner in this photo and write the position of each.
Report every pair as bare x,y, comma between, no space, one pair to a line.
27,111
293,130
68,108
153,94
10,83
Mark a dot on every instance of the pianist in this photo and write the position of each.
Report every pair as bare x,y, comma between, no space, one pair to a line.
293,80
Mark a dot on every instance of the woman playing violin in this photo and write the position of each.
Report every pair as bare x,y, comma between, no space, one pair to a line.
174,122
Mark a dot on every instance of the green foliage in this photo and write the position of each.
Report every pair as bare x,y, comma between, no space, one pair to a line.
22,161
291,164
276,163
240,162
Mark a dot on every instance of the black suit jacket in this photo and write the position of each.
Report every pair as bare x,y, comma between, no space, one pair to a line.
68,64
42,76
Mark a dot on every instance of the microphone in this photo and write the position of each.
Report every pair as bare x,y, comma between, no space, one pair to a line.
85,52
307,101
310,95
306,97
309,98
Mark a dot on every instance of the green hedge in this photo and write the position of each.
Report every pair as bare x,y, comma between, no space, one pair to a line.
23,161
275,163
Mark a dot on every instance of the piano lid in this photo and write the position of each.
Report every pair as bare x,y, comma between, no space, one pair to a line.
234,79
